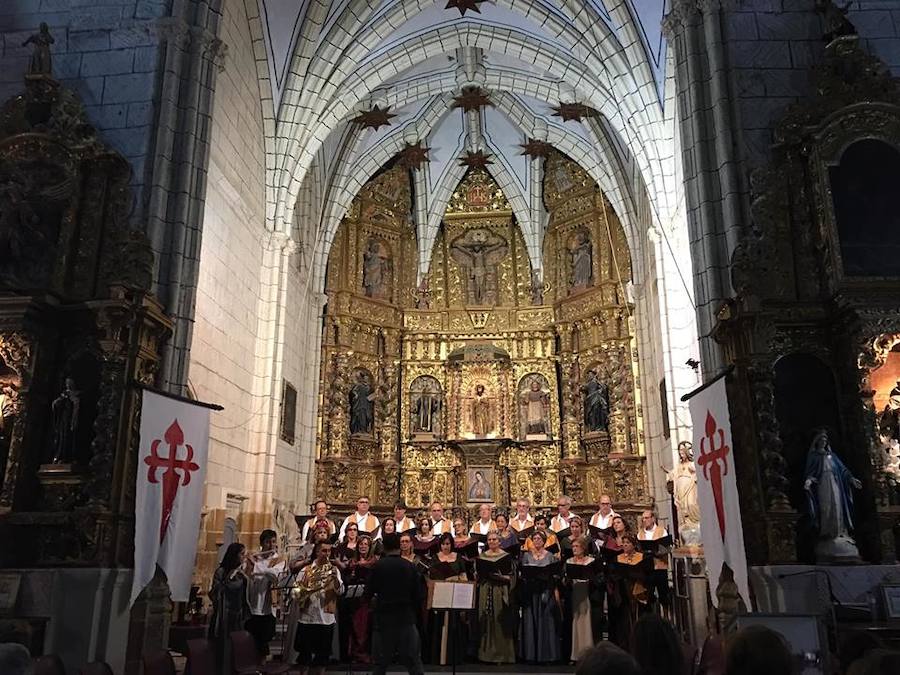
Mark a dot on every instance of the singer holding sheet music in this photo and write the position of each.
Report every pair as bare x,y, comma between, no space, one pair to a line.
629,597
539,596
496,573
581,581
654,540
358,608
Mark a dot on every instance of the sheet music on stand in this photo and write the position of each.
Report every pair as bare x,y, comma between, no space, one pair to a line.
451,595
355,591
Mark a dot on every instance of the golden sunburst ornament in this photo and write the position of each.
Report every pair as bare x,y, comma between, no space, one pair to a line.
374,118
464,6
414,155
472,98
475,160
573,112
535,148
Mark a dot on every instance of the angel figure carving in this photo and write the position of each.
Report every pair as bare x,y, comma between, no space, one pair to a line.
476,253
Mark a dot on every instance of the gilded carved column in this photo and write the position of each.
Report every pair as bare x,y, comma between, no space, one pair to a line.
112,321
337,432
16,352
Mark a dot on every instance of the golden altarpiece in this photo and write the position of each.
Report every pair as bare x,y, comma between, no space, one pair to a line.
479,384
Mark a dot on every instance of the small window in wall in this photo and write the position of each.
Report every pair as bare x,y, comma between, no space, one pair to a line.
288,412
664,404
867,208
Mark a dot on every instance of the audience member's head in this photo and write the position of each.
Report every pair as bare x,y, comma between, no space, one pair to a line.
854,645
14,659
758,649
877,662
607,659
656,646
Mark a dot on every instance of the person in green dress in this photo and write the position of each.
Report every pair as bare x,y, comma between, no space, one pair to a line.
496,612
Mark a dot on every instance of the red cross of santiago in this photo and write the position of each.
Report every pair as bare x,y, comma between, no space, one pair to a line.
171,480
709,459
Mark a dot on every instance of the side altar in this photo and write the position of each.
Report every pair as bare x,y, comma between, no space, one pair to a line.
501,374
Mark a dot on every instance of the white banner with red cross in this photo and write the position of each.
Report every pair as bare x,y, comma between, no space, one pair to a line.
720,510
171,472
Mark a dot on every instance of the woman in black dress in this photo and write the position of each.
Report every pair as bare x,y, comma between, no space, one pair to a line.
229,600
447,565
360,611
629,590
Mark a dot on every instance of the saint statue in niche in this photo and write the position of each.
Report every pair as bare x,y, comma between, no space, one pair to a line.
889,430
40,63
64,411
376,270
683,479
889,419
534,407
482,424
425,395
581,261
596,403
476,253
827,483
362,404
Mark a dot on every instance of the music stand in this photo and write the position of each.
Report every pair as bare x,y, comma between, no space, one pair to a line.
451,597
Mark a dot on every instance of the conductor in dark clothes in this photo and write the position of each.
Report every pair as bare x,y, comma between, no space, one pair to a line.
397,590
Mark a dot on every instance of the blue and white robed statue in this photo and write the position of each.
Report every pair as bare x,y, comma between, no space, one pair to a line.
829,486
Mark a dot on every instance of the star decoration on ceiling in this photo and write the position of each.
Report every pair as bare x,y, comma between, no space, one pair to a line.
413,155
464,5
573,111
374,118
535,148
472,98
475,160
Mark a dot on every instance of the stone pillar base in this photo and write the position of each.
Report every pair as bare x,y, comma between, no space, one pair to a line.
84,611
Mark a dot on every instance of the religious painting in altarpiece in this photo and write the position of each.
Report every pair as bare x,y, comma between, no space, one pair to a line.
486,402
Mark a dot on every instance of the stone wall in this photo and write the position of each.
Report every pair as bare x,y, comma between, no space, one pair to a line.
772,44
107,51
226,320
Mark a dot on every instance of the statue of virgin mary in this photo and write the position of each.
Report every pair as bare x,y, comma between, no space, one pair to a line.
828,484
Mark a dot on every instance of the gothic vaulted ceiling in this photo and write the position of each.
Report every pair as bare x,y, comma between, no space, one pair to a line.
325,63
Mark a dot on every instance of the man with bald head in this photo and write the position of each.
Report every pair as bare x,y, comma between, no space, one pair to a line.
603,518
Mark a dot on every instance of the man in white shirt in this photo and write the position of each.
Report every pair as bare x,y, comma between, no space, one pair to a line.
563,517
316,619
320,508
265,569
651,530
438,524
403,522
522,521
365,521
603,518
484,524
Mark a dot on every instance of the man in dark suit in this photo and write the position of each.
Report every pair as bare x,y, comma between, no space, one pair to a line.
396,587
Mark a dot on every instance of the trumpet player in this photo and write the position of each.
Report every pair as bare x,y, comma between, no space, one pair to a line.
264,568
316,592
